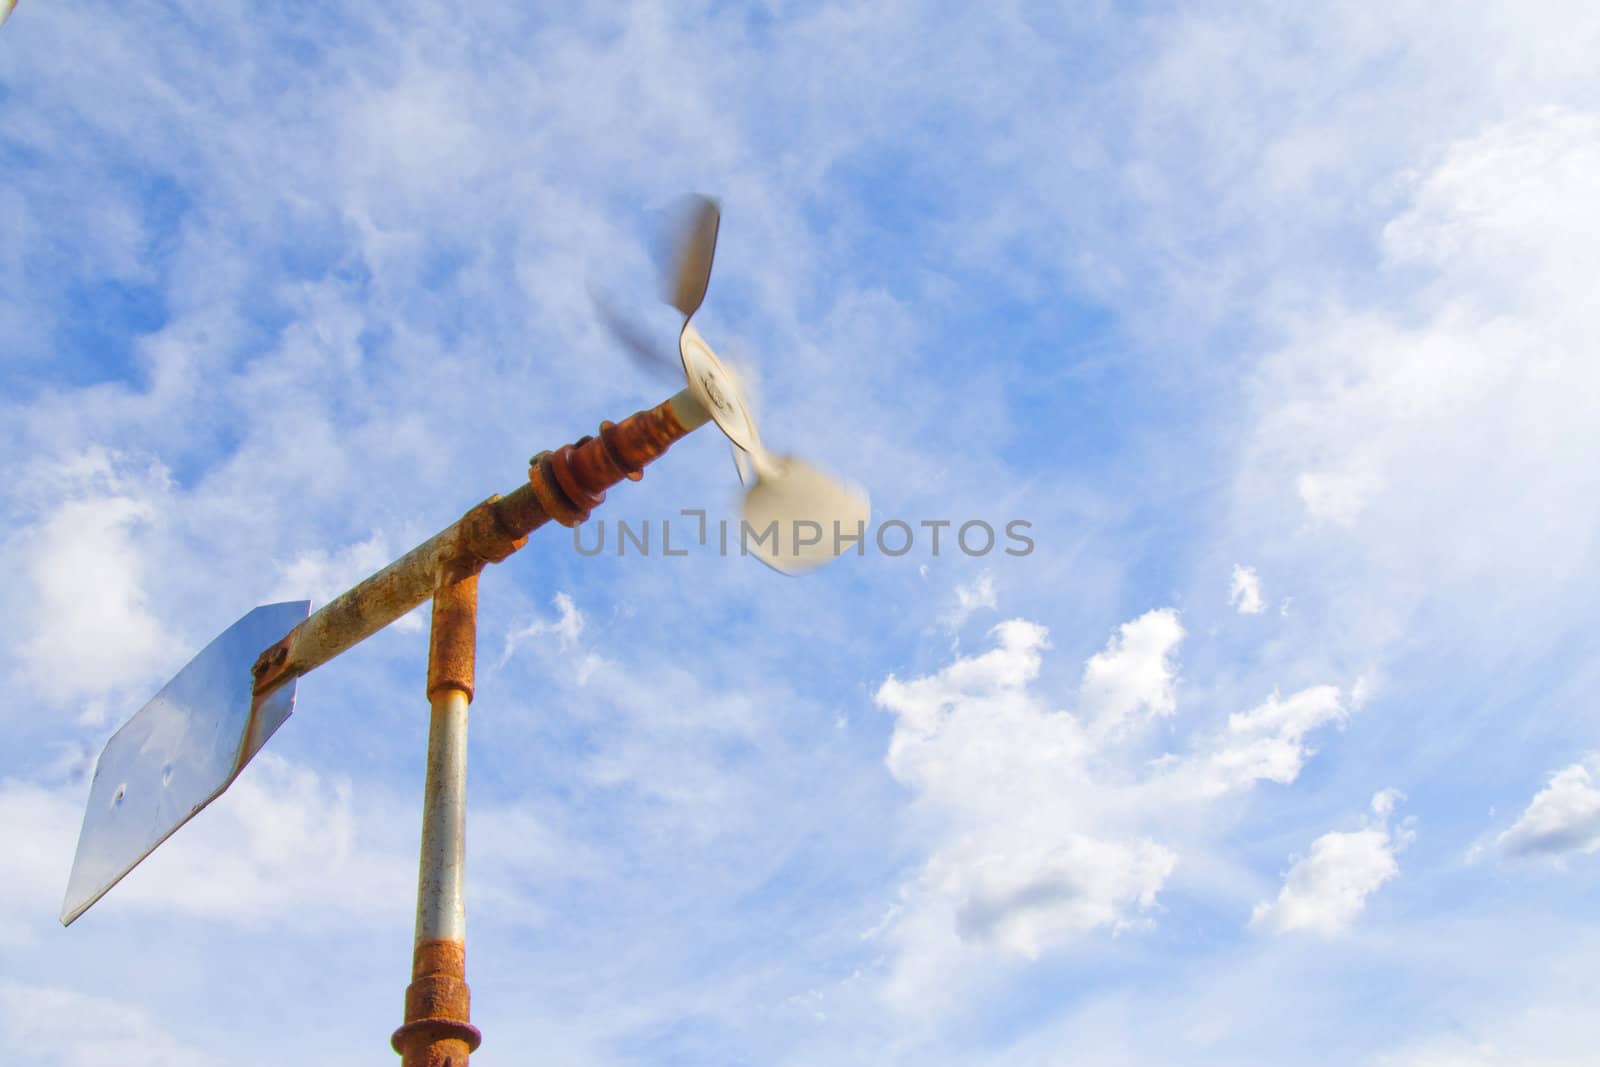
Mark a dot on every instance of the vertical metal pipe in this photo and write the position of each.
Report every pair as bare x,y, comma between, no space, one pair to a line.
437,1031
441,911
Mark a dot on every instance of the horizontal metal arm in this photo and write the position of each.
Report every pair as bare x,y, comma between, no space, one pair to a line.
564,485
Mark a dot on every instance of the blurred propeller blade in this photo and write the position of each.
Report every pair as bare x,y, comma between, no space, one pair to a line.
743,465
644,352
690,270
798,515
795,510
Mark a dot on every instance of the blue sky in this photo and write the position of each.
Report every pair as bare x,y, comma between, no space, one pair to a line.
1277,326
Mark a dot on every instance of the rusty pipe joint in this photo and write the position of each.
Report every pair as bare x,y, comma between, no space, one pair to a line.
565,485
453,637
436,1032
571,481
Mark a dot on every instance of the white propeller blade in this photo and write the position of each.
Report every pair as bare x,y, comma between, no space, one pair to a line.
717,390
696,246
806,505
816,515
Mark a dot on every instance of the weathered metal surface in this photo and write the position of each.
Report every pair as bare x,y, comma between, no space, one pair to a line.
440,911
564,485
437,1032
437,1028
488,533
178,754
452,641
571,481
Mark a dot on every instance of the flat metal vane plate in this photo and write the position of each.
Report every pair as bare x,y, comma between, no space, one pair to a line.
179,753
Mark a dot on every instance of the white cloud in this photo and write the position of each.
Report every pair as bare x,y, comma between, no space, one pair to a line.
282,842
1325,891
1028,900
1019,863
75,1029
1268,743
41,826
1043,825
928,711
1244,591
1135,672
1336,497
1384,801
90,628
1466,400
970,597
1544,1020
245,858
319,575
567,627
1563,817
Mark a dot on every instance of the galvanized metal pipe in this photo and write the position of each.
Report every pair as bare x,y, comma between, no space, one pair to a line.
441,912
437,1029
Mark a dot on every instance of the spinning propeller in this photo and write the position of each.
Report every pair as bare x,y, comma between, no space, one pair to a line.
807,505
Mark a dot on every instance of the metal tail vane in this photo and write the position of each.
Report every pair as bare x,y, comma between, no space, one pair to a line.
187,745
178,754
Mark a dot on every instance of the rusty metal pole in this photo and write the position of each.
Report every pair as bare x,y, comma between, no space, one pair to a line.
564,485
437,1031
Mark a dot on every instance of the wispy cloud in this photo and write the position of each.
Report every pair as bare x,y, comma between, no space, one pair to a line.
80,1030
1135,674
971,597
86,567
567,627
1563,817
1326,889
1268,742
1244,590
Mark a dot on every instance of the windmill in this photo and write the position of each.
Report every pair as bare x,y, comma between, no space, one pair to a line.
184,748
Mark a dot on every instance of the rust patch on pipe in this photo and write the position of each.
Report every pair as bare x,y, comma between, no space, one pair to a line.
271,668
564,485
571,481
453,638
486,535
437,1031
